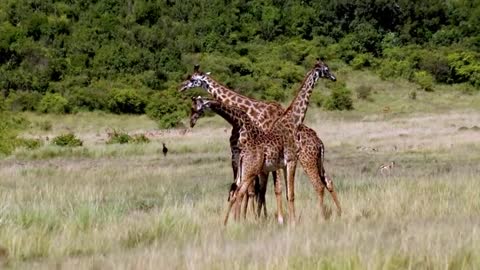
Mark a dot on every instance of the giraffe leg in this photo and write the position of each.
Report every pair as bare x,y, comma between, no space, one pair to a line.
260,191
278,196
245,204
333,193
231,202
242,192
291,165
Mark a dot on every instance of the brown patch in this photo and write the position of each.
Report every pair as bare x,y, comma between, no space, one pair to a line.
253,113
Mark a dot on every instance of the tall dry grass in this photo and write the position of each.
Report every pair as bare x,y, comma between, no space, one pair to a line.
127,207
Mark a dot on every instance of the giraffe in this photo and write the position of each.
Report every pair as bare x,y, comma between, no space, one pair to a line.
310,147
261,152
197,110
267,115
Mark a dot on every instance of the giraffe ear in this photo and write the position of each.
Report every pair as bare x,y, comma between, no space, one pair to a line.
207,73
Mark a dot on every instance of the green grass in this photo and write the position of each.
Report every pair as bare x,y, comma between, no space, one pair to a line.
125,206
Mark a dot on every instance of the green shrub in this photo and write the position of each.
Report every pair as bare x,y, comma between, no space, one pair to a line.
274,93
20,101
340,99
119,137
123,137
167,108
317,99
465,67
395,69
9,127
29,143
424,79
364,92
2,103
437,65
53,103
89,99
127,101
68,139
140,138
362,60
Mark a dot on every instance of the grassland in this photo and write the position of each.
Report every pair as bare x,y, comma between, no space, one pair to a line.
127,207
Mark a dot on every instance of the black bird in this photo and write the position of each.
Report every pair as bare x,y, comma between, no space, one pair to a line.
164,150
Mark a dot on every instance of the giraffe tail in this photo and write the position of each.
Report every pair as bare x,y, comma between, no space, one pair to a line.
327,181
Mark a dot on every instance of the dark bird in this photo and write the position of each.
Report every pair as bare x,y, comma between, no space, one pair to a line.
164,150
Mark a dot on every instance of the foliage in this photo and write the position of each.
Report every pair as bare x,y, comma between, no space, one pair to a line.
123,137
317,98
9,127
29,143
140,138
127,101
104,56
167,108
20,101
395,69
424,80
362,60
88,98
53,103
340,99
119,137
68,140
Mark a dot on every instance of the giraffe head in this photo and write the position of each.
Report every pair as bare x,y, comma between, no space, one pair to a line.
196,111
323,71
196,79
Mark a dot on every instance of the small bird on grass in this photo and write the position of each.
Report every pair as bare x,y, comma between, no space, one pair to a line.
164,150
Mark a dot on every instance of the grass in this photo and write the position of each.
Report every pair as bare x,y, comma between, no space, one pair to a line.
125,206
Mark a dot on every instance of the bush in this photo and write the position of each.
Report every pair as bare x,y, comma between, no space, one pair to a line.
2,103
122,138
127,101
20,101
437,65
140,138
273,93
68,139
9,126
363,92
119,137
465,67
317,98
167,109
362,60
424,79
89,99
53,103
340,99
395,69
29,143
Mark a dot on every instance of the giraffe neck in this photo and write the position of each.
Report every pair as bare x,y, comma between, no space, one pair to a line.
261,113
236,117
299,105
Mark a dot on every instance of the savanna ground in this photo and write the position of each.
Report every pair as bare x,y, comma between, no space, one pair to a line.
127,207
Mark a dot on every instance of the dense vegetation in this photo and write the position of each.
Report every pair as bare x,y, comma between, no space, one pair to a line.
130,56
